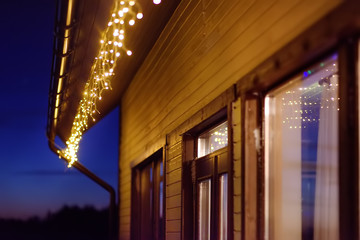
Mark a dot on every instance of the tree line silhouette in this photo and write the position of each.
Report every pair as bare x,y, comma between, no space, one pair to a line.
69,223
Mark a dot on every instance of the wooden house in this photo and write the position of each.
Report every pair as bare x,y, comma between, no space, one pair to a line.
239,118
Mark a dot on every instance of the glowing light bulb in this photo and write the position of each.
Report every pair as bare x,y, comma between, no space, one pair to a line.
156,1
103,68
139,16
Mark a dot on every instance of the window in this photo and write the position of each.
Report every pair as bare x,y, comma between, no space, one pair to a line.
212,186
204,209
147,221
212,140
206,180
301,156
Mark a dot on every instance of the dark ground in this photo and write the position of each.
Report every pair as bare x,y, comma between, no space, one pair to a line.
67,224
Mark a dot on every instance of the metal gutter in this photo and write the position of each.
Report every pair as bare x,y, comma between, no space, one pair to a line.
81,168
62,56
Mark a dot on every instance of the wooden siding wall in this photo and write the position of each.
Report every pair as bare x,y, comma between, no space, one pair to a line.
173,189
207,46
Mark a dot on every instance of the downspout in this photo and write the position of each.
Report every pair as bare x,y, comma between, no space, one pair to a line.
81,168
62,56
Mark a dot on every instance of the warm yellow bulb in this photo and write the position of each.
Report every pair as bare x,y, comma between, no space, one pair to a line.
139,16
103,68
156,1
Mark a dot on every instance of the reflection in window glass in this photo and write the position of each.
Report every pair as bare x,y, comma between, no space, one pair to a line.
223,206
204,209
301,132
161,198
212,140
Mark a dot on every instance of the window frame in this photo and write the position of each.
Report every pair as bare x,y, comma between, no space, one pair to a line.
290,78
157,157
348,58
193,174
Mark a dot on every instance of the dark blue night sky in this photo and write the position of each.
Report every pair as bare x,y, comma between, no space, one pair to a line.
33,180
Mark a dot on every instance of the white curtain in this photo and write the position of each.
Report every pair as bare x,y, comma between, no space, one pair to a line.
326,217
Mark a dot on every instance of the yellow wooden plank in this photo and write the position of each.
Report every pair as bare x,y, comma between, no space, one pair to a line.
173,213
174,151
174,164
173,189
173,177
173,201
173,236
173,226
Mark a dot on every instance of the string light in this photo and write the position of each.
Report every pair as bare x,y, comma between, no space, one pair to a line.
111,47
301,106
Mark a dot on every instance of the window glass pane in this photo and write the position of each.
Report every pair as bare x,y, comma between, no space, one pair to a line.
204,209
161,198
301,149
161,169
212,140
223,206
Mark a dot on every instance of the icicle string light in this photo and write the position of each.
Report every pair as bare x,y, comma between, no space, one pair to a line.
124,15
